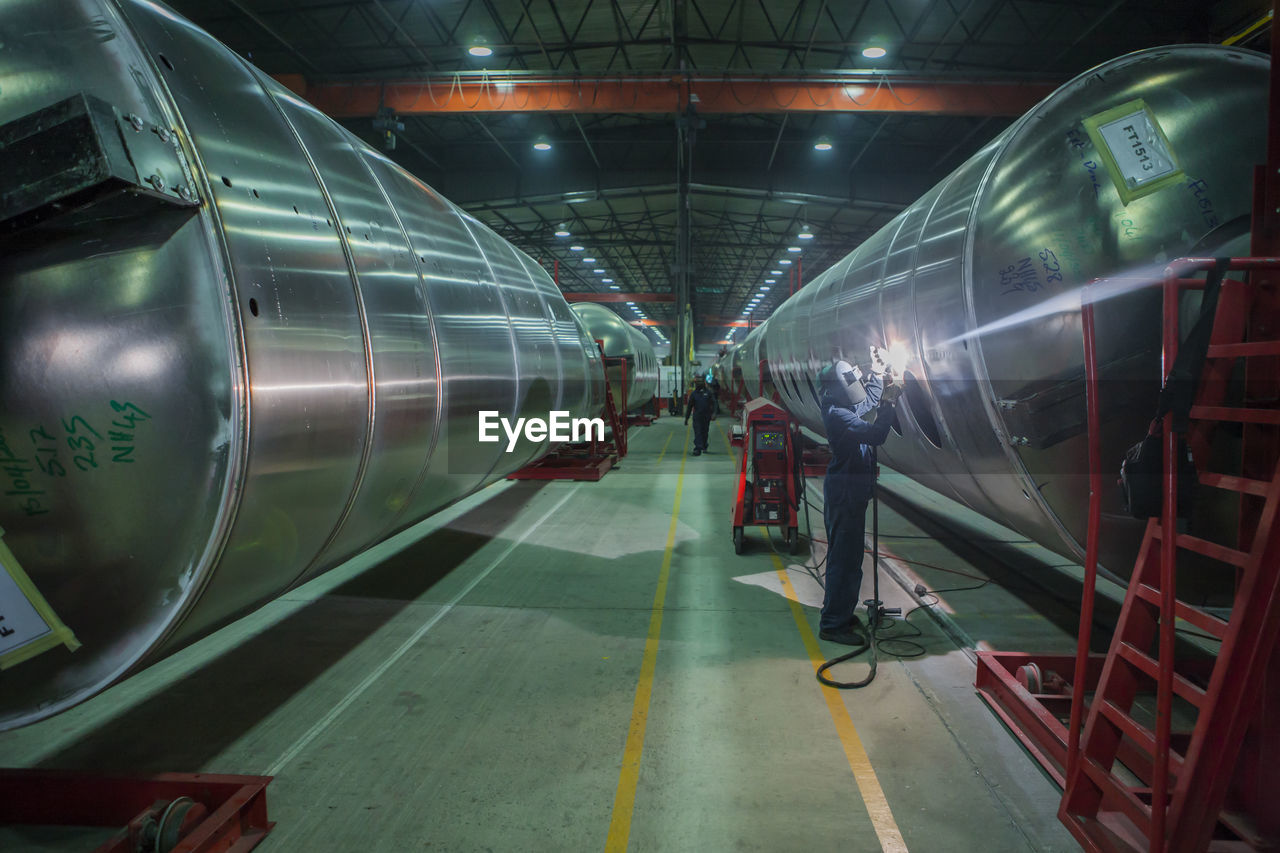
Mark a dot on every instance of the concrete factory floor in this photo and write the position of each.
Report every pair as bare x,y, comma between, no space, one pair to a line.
565,667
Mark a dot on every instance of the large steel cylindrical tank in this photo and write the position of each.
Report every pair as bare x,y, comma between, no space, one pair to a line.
623,341
722,369
757,371
1130,165
205,405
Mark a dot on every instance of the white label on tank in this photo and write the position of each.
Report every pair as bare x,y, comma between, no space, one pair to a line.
1139,149
20,622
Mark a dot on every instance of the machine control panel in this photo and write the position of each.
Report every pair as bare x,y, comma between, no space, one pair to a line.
769,439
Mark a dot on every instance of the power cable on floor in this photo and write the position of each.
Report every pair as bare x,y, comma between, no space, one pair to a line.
880,642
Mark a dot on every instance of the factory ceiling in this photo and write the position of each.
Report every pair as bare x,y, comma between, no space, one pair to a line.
600,115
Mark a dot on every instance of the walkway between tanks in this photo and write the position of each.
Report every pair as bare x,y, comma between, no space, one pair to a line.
559,666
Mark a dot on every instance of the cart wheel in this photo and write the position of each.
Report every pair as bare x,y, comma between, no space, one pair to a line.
737,540
178,818
1029,676
793,535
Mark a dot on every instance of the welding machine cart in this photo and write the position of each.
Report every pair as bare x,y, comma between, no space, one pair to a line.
768,487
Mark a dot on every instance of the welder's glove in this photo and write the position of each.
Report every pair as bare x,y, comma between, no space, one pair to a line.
891,393
878,364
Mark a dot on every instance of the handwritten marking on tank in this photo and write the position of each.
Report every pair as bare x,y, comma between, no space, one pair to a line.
84,443
1024,275
1049,263
1079,143
46,447
1128,227
78,440
1204,203
18,481
1019,276
124,430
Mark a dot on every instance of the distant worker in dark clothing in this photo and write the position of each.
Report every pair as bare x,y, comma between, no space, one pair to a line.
857,416
701,406
715,392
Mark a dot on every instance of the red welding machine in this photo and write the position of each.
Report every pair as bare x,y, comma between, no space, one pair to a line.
768,491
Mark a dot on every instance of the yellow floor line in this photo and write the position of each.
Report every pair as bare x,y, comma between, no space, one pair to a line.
868,785
664,446
624,800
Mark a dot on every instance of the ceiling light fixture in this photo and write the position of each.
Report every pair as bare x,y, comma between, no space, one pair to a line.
873,52
775,272
575,248
562,231
598,271
805,233
823,144
588,260
784,261
480,50
607,280
793,248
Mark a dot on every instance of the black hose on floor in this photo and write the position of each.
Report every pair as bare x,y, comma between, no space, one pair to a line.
849,685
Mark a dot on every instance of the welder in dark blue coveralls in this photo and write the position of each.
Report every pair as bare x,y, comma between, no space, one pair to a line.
857,416
701,406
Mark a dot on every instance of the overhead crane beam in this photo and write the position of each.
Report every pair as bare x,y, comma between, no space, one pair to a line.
502,92
707,322
619,297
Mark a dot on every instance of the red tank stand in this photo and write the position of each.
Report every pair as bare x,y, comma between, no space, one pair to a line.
646,416
225,813
589,460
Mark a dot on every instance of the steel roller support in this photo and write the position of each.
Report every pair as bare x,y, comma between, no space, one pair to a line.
236,348
977,285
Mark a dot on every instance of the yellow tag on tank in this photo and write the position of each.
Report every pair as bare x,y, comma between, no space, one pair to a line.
28,625
1133,147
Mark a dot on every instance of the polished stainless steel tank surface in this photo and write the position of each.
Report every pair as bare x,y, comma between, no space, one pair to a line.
211,404
722,369
622,340
978,284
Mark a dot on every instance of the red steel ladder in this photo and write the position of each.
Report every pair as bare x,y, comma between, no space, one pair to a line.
1178,788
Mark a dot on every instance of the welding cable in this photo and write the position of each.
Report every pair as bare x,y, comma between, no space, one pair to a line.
901,639
878,639
809,570
808,524
851,685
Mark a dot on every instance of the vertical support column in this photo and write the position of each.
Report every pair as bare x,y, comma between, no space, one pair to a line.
686,132
684,157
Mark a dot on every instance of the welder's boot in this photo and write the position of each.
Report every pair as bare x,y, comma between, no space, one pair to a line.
851,635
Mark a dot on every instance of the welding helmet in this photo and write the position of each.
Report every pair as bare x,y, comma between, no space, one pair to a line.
841,382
